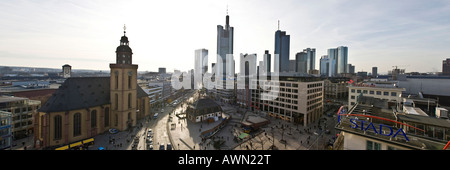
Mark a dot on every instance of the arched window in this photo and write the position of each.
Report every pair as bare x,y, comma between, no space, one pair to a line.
94,118
129,100
107,117
116,103
58,127
77,124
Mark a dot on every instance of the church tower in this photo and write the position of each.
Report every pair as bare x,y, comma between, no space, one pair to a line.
123,87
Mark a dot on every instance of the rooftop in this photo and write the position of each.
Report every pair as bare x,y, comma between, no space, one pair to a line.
6,99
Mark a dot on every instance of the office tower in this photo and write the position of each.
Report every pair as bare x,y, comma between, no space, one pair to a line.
338,60
267,61
342,59
332,57
351,69
311,58
446,67
224,44
324,67
374,71
301,62
200,66
282,41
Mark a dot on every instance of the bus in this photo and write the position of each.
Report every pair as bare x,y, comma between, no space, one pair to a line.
155,116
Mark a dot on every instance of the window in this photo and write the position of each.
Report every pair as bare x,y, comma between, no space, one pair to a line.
352,97
358,91
373,145
353,90
107,117
94,119
378,92
77,124
116,103
371,92
58,127
117,80
129,81
365,91
129,100
386,93
393,93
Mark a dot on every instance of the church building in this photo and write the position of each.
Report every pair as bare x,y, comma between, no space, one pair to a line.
84,107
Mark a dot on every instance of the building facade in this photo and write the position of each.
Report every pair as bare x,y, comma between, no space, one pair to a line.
446,67
380,92
300,99
22,110
5,130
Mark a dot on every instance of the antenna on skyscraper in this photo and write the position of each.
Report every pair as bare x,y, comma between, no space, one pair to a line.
227,9
278,24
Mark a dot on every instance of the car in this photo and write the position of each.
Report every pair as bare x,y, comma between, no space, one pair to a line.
149,141
150,130
149,147
161,147
113,131
169,146
149,135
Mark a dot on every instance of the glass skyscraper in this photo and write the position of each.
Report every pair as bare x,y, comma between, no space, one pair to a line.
282,49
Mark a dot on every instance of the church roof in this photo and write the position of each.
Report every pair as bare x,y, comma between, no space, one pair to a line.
81,92
203,106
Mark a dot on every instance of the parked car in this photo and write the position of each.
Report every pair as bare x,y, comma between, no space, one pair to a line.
169,146
149,147
161,147
113,131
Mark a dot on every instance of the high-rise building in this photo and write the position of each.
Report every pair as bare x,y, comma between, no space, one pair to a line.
324,66
351,69
224,44
446,67
374,71
311,58
267,61
332,59
301,62
282,41
342,59
225,65
338,60
200,66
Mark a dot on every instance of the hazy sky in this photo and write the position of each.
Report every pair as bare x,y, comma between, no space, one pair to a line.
412,34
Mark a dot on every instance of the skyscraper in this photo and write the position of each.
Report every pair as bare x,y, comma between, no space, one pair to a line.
342,59
301,62
338,60
267,61
374,71
224,44
324,66
351,69
311,59
332,59
282,49
200,65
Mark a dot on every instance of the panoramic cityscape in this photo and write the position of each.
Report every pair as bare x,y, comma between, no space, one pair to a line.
284,92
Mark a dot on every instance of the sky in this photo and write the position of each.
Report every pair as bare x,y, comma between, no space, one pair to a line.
410,34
